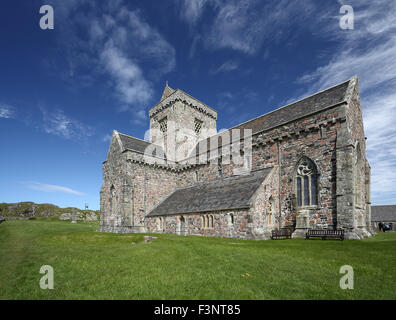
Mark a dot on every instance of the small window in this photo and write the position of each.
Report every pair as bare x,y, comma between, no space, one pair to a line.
198,126
163,123
219,168
196,176
207,222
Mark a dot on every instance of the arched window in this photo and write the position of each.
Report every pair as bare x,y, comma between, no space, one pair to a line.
306,183
113,200
202,222
211,221
270,210
220,167
359,178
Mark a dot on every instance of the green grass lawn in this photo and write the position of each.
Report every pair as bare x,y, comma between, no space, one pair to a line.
92,265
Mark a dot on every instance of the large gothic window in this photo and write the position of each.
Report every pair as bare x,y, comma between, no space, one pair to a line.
306,183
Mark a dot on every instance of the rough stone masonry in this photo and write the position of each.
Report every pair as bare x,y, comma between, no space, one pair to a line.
300,166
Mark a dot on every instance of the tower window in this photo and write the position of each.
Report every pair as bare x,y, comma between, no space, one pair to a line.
163,123
198,126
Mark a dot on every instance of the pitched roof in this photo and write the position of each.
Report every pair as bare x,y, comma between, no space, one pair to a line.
167,91
384,213
220,194
136,144
170,95
317,102
132,143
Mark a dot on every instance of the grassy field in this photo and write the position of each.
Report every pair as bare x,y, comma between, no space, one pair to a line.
91,265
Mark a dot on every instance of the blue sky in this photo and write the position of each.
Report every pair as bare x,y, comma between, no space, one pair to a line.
63,91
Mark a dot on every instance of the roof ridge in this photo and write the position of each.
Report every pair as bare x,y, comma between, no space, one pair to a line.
189,95
353,82
289,104
196,99
383,205
134,137
117,134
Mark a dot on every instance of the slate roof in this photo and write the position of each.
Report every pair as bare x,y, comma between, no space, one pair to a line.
298,109
132,143
317,102
386,213
220,194
135,144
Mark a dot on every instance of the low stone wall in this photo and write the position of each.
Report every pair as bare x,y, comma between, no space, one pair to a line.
225,224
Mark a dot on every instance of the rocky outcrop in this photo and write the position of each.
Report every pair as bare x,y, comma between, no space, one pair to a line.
31,211
82,216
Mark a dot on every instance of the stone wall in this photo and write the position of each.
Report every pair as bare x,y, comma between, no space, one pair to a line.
360,168
112,215
180,137
315,137
131,189
265,207
229,224
244,223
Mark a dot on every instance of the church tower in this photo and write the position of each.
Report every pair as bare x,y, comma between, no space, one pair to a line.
179,121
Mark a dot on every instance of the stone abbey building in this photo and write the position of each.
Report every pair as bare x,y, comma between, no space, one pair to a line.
301,166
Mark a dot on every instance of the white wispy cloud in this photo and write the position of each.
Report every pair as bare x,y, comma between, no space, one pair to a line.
368,51
191,10
115,41
246,25
227,66
107,138
57,123
6,111
51,188
140,117
128,78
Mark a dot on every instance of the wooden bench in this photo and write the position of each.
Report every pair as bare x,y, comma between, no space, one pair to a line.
325,233
281,233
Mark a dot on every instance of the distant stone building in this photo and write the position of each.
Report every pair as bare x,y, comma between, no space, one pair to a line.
385,214
301,166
